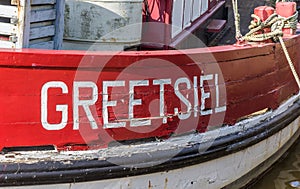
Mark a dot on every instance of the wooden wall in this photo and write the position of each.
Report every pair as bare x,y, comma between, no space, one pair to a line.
31,24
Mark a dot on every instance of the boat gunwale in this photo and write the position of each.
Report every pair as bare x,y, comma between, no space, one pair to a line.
64,59
74,59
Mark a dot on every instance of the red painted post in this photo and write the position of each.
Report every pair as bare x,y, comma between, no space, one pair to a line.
286,9
264,12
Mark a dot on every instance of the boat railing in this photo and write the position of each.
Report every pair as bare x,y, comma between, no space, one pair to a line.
181,18
184,12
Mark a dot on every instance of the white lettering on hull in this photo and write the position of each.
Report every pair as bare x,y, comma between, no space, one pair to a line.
61,108
134,102
162,83
183,99
86,104
106,104
204,95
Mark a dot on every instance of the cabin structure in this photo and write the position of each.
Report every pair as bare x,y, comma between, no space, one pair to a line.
109,25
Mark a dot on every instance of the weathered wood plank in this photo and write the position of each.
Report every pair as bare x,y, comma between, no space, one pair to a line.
40,32
7,44
43,45
40,23
246,68
42,15
14,2
249,88
42,2
59,24
7,11
245,107
42,7
7,29
23,35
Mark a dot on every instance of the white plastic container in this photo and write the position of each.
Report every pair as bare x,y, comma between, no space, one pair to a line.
102,24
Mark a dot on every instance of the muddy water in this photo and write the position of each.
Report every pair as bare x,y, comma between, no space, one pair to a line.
285,174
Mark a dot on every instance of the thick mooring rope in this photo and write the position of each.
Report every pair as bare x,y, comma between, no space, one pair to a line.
236,14
276,23
290,61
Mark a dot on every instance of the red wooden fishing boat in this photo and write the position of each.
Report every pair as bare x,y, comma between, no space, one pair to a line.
164,112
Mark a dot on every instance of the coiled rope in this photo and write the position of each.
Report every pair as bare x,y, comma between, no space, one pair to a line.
276,23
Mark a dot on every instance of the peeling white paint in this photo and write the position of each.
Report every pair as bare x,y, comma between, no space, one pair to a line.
209,175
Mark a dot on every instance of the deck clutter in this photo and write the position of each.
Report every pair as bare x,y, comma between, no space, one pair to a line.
107,25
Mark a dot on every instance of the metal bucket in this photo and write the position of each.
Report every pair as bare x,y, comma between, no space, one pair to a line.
102,24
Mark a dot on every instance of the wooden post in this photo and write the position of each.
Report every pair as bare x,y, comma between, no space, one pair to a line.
59,24
24,24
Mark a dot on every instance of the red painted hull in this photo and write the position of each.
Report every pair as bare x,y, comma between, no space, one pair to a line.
68,98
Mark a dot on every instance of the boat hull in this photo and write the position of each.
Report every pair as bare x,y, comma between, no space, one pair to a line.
232,160
75,100
198,117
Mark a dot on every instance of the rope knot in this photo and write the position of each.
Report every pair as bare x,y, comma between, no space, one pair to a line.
276,25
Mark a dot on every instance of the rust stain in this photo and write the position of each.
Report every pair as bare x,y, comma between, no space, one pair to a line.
166,183
66,20
86,19
150,185
15,2
113,39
